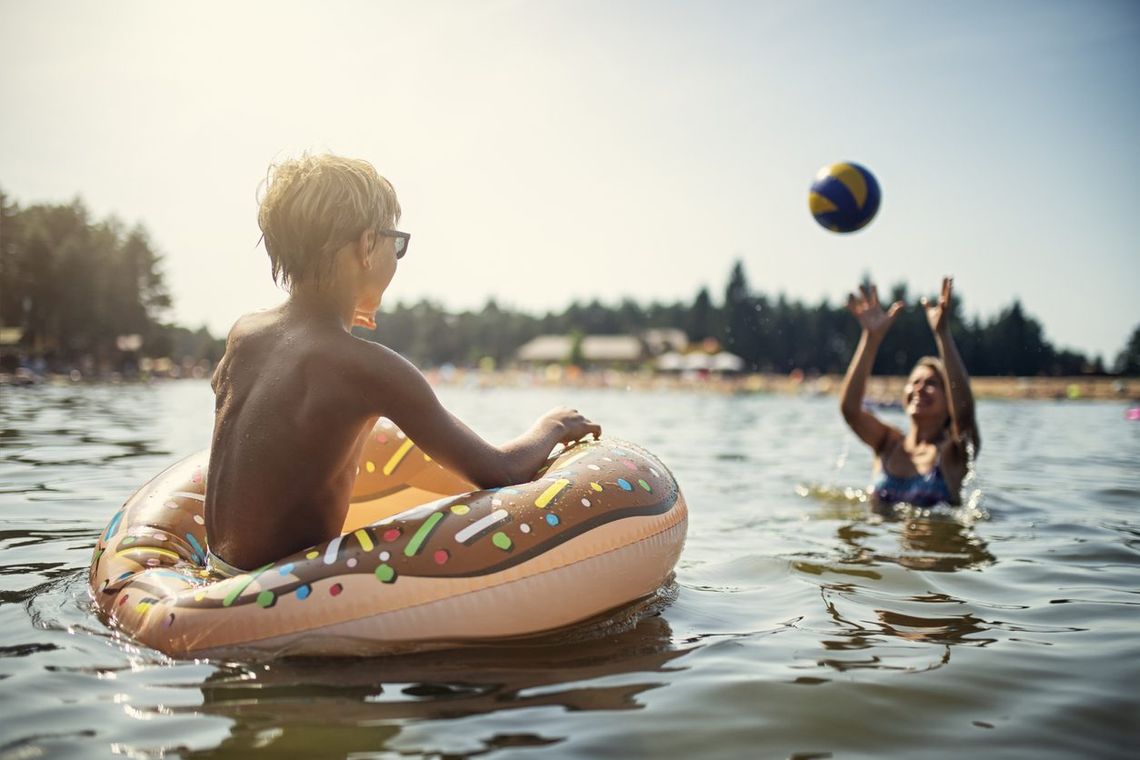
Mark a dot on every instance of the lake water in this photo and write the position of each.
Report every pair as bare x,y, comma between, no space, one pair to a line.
798,626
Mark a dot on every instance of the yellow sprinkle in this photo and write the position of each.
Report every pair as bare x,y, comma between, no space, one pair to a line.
364,539
595,486
370,466
312,555
142,606
148,550
427,458
460,509
551,491
401,452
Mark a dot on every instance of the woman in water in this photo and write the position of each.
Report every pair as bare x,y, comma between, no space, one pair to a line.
925,465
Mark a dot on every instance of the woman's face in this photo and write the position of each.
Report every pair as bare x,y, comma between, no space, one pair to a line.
924,394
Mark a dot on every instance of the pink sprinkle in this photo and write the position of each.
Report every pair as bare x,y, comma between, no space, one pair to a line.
629,464
441,556
391,534
351,562
336,589
381,438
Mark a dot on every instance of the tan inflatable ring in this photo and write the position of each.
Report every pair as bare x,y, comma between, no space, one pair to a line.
601,526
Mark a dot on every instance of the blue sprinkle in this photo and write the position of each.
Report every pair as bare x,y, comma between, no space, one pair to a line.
304,591
286,569
552,519
625,486
114,525
198,553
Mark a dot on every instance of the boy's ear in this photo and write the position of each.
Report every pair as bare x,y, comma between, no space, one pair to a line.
364,248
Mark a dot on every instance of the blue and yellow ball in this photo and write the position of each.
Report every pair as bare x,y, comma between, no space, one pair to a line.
844,197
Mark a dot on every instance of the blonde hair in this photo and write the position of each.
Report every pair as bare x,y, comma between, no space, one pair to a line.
312,205
964,429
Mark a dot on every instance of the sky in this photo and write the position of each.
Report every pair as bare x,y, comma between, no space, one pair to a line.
551,150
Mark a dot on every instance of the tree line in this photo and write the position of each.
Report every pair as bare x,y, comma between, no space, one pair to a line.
771,334
78,291
77,288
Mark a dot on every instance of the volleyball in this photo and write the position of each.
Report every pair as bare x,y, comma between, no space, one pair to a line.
844,197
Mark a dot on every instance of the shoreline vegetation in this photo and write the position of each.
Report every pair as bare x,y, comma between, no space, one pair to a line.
883,392
82,298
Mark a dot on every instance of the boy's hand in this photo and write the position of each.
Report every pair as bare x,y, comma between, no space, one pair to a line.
364,319
572,425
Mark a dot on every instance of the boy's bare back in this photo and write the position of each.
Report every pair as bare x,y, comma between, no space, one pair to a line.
296,392
287,435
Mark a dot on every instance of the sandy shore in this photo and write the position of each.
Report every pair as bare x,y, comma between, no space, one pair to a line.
884,390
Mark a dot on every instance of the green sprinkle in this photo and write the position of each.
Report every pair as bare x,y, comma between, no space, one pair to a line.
385,573
501,540
413,547
266,599
645,485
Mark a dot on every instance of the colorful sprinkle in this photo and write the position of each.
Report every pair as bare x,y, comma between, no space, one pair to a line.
351,562
441,556
392,534
335,589
241,582
585,502
381,438
501,540
199,554
304,591
266,599
481,526
552,519
385,556
645,485
396,458
199,519
413,547
332,550
364,538
460,509
524,528
629,465
285,569
370,466
312,555
199,596
385,574
624,484
596,487
550,492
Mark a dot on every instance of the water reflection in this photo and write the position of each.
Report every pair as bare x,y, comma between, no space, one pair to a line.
334,708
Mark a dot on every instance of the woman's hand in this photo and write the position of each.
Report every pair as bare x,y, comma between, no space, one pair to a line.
938,314
869,312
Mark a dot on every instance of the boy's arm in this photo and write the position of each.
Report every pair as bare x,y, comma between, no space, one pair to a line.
398,391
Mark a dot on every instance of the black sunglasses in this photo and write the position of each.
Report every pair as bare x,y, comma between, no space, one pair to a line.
402,239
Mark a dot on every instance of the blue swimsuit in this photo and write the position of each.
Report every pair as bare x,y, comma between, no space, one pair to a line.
917,490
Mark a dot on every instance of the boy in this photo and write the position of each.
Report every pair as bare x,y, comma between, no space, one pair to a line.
297,393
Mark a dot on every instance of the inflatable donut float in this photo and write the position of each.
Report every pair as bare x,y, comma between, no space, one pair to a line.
423,559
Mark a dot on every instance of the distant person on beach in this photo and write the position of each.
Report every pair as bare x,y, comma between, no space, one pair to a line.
925,465
297,393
